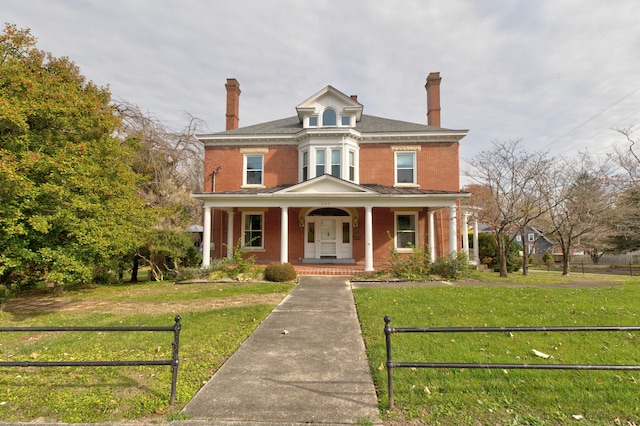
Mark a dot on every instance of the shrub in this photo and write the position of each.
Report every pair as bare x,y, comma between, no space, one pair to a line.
280,272
453,267
413,267
187,274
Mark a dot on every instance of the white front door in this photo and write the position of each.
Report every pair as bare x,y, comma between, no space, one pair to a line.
327,239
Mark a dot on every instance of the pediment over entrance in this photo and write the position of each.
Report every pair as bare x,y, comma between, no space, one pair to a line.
326,184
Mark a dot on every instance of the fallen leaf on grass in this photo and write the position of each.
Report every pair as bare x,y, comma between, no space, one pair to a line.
541,354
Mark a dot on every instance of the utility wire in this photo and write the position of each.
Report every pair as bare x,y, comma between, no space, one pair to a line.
598,114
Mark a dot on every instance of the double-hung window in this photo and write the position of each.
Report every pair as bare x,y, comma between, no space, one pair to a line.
352,166
405,168
320,162
253,169
335,163
305,166
253,229
406,235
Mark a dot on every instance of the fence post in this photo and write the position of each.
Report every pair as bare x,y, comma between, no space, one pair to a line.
174,359
387,332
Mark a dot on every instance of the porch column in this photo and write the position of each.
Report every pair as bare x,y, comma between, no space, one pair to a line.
284,235
476,244
368,239
465,233
206,238
432,236
453,231
230,242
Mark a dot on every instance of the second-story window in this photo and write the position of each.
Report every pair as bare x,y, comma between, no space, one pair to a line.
405,168
253,169
305,166
352,166
320,162
335,163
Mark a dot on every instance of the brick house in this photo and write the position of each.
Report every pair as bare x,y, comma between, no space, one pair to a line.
331,184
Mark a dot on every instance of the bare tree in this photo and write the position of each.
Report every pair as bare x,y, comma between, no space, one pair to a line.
626,224
172,163
512,177
172,166
578,204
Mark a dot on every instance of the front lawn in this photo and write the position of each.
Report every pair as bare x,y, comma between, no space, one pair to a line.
216,319
536,397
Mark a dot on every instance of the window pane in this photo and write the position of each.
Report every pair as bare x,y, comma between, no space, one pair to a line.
329,117
254,169
320,155
405,160
311,235
253,230
352,166
406,223
313,121
305,166
406,239
405,166
405,231
346,235
335,162
346,121
254,178
405,176
254,162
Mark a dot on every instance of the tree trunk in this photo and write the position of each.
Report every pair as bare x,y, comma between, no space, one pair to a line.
525,256
502,254
134,270
565,260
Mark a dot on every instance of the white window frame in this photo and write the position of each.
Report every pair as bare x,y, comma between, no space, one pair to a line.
530,237
245,215
415,168
245,184
396,230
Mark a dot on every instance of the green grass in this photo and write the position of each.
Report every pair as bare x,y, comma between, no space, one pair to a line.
96,394
536,397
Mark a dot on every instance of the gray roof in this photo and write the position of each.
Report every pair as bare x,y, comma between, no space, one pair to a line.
368,124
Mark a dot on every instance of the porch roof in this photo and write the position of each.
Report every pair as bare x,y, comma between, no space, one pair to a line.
328,191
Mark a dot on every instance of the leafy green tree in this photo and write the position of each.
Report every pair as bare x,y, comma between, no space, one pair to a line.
68,198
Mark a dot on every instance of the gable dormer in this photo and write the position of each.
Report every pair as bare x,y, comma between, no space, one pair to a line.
329,108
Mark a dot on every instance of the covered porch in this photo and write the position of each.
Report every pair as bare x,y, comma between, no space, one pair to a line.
329,221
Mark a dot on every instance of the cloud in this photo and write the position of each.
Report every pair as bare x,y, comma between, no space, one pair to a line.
557,74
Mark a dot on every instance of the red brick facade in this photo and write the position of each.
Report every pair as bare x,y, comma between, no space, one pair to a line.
436,168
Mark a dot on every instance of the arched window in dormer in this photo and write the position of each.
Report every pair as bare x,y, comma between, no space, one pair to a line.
329,117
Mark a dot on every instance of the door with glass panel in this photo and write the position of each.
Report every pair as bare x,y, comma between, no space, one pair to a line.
328,239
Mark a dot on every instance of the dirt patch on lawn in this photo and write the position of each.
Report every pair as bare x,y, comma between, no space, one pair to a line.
59,304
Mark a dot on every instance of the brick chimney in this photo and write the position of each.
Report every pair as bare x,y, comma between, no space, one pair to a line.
433,99
233,103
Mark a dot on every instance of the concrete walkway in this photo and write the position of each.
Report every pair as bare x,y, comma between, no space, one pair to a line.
304,364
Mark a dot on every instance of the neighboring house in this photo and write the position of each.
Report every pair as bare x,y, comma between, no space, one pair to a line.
535,241
331,184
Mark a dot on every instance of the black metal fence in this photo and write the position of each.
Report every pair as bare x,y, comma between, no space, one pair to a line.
388,331
173,362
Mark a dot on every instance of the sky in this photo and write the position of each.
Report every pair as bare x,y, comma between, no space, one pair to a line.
558,74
